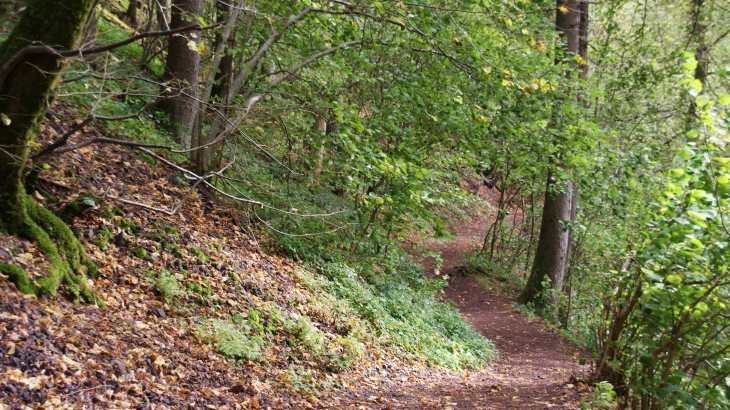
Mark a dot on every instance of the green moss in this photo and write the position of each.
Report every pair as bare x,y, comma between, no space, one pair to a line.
200,254
67,261
200,290
109,214
101,244
50,197
129,226
174,249
140,252
146,158
19,277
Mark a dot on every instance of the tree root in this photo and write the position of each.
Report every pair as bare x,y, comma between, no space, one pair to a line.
68,263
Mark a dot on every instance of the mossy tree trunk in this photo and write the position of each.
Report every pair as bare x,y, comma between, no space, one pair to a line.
23,96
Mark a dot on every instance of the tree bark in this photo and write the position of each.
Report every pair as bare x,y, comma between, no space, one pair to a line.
224,74
131,13
554,240
182,67
221,69
23,96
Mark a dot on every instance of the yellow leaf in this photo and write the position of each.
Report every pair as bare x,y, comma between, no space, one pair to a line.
579,59
5,119
401,5
487,69
563,9
193,46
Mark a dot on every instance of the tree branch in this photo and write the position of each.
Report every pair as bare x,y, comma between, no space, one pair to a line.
44,49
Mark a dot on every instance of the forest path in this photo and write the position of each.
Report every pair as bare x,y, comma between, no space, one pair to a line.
535,365
536,368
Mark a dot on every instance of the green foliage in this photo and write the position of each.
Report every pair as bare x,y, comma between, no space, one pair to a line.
400,306
603,396
232,340
492,274
304,335
167,286
673,349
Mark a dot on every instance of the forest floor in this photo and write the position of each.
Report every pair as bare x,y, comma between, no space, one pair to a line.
143,352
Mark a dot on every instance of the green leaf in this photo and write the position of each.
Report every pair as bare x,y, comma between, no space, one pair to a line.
723,99
674,279
676,173
696,85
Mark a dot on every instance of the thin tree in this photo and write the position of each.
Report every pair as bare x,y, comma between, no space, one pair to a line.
182,68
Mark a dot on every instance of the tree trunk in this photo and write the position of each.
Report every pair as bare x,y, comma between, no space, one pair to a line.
552,247
88,38
131,13
553,243
181,71
221,70
23,94
224,74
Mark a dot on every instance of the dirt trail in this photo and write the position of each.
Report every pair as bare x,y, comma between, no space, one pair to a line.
535,370
535,364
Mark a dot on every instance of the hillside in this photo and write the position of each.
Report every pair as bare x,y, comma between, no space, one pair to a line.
195,311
